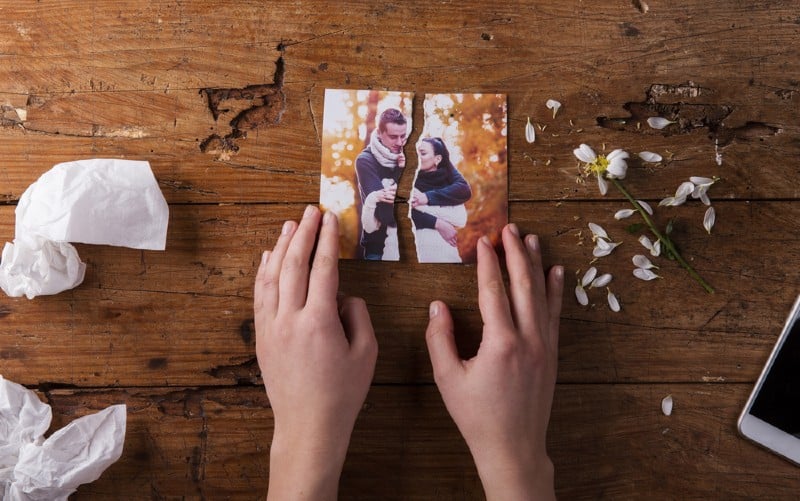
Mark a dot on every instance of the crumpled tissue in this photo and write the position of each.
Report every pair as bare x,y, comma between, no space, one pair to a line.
34,468
96,201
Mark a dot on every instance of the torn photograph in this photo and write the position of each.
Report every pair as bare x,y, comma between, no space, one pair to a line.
460,189
363,135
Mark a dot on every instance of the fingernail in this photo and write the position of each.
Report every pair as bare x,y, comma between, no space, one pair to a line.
310,209
486,241
433,310
328,217
264,257
559,271
533,242
514,229
287,228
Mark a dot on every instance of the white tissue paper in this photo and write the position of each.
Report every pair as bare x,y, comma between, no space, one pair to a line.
97,201
32,468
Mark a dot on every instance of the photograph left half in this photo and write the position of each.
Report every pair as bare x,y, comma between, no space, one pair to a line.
364,133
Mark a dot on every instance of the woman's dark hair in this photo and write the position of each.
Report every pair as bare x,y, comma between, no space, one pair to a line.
439,148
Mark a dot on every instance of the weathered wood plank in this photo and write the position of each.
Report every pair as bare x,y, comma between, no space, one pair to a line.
213,444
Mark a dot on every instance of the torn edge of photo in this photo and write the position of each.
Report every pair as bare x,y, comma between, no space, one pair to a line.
363,136
460,190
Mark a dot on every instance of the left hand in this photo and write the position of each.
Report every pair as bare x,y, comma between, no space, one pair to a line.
447,231
317,357
418,198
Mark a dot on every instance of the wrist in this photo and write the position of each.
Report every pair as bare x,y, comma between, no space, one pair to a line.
517,479
303,466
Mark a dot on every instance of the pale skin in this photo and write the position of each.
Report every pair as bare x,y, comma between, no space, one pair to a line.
317,356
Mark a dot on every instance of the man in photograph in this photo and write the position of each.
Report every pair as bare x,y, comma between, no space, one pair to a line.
378,169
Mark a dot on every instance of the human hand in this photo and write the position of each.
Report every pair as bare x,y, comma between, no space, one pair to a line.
447,231
386,195
317,358
418,198
501,399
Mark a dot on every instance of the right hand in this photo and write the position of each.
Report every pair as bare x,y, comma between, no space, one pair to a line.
501,399
385,195
447,231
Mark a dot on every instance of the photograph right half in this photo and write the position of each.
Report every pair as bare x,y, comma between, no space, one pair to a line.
460,190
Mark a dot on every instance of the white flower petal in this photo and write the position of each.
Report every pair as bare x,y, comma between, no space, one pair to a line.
684,190
585,153
617,169
643,274
672,201
613,302
617,154
641,261
646,243
580,295
622,214
666,405
656,250
645,206
704,198
658,122
588,276
602,185
530,131
708,219
601,281
597,231
701,180
649,156
604,249
554,105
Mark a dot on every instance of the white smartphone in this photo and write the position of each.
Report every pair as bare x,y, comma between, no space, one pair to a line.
771,417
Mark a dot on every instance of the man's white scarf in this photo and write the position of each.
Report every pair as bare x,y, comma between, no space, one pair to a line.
382,154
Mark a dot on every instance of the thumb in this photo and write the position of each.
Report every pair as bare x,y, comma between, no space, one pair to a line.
441,343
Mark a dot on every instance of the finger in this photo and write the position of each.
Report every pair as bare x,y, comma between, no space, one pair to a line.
555,295
441,343
260,285
294,269
492,299
269,283
540,298
522,286
358,326
324,278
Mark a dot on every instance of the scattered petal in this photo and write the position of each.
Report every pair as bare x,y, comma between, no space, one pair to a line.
658,122
613,302
580,295
530,131
645,206
704,198
585,153
654,248
601,281
603,248
684,190
641,261
641,5
666,405
649,156
643,274
554,105
701,180
597,231
672,201
624,213
588,276
708,219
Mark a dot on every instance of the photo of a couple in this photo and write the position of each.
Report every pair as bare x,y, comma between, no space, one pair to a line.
364,135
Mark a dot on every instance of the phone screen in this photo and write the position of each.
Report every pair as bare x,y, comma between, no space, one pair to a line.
778,401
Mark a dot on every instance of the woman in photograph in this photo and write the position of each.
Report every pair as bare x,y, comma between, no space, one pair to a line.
437,203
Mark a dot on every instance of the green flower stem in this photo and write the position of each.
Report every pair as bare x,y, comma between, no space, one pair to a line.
665,240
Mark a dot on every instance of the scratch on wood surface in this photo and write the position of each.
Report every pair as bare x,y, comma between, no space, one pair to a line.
260,105
246,372
687,116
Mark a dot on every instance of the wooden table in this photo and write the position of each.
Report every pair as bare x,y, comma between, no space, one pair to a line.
171,335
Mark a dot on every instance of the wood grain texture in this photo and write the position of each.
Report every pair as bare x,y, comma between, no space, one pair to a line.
225,100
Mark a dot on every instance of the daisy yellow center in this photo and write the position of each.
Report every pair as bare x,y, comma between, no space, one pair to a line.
599,165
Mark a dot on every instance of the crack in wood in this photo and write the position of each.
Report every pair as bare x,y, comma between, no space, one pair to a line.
246,372
264,107
687,117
